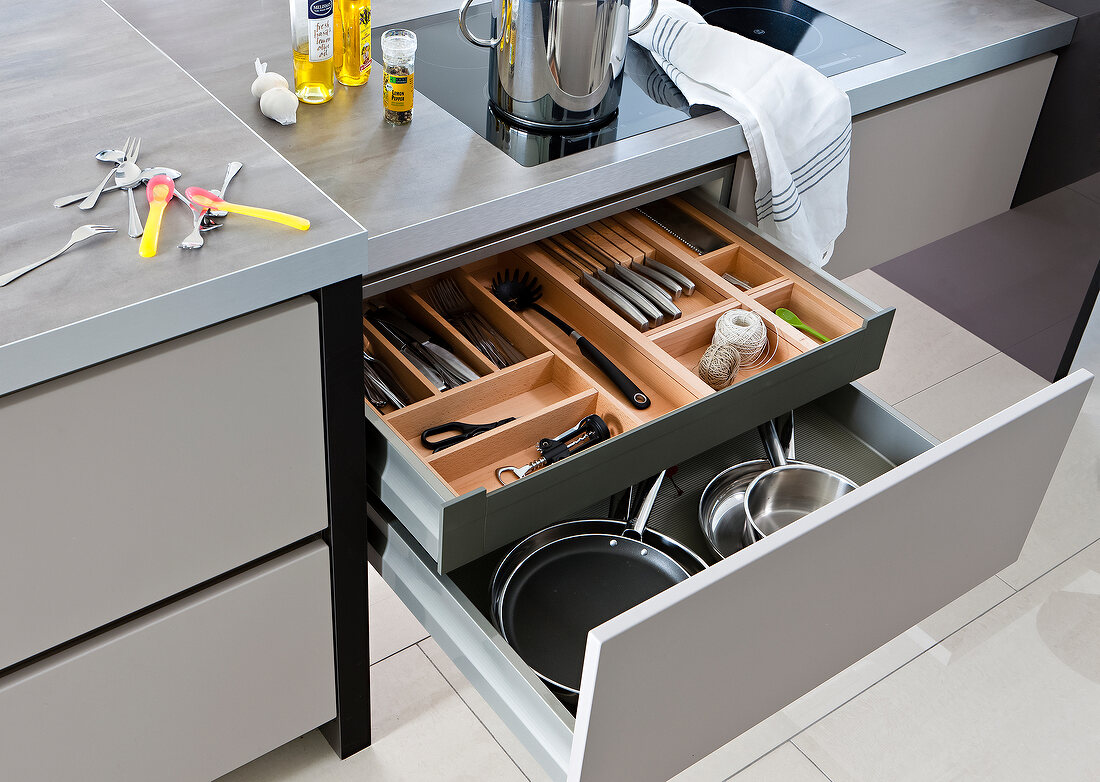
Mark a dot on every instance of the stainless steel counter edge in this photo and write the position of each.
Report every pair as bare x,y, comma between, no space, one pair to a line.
115,333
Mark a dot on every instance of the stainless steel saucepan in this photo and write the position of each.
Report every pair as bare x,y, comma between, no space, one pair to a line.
786,491
557,64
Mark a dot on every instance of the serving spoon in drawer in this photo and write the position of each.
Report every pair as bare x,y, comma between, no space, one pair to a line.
520,293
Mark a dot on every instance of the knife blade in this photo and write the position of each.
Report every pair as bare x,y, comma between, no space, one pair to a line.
680,225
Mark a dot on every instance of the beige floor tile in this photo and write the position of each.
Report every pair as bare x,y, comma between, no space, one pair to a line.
924,346
377,589
971,396
785,764
392,627
422,731
484,712
1013,696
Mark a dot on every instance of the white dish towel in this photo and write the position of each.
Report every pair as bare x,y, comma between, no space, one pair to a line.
798,126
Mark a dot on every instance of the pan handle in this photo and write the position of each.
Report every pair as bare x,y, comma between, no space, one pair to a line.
771,443
639,522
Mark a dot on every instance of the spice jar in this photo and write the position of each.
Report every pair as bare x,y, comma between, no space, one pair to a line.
398,55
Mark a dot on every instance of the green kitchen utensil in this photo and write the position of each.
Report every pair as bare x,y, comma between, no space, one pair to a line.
796,321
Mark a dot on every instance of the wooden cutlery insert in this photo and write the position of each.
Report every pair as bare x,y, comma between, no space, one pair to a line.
554,386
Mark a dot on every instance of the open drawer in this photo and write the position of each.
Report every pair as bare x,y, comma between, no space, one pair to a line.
673,679
451,501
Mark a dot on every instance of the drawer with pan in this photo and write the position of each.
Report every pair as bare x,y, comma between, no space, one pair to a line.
568,390
668,681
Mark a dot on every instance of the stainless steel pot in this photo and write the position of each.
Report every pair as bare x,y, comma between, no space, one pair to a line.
788,491
557,63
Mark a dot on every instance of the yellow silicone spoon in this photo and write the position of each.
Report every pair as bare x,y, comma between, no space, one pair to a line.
207,199
159,192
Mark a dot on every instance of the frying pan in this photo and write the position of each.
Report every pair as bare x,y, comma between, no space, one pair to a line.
559,583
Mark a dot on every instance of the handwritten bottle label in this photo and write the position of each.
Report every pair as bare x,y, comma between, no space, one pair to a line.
319,13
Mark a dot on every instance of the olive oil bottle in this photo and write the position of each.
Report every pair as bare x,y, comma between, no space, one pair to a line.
355,63
312,39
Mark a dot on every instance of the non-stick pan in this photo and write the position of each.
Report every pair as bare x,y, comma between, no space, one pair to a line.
558,584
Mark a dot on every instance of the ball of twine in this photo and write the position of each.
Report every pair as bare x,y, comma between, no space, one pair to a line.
719,365
740,342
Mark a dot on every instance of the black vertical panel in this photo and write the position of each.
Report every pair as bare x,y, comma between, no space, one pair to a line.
345,441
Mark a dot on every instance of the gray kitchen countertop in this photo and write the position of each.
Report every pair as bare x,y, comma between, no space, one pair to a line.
178,74
435,184
85,83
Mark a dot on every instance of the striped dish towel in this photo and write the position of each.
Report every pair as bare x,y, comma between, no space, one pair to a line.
798,126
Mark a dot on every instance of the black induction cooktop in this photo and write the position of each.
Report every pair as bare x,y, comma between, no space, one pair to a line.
453,73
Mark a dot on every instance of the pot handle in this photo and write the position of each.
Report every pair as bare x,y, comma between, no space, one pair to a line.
649,18
486,43
637,524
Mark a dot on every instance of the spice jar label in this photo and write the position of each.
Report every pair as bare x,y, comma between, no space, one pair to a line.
397,92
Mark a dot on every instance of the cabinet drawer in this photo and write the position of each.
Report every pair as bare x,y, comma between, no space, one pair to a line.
451,501
188,692
129,482
732,645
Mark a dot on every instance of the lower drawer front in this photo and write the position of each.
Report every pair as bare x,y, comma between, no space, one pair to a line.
789,612
117,480
188,692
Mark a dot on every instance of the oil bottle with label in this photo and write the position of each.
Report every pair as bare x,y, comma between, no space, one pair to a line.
312,37
354,69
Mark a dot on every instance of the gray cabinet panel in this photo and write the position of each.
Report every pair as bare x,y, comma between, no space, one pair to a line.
128,482
186,693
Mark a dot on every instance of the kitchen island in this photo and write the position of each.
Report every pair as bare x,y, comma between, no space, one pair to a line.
388,205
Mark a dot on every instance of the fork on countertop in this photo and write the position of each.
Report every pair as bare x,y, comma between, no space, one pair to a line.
79,235
449,301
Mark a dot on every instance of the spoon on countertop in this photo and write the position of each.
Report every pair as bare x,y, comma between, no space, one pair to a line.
146,175
115,156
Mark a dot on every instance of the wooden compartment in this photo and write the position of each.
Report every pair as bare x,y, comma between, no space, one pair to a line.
813,307
484,304
750,266
632,248
520,391
414,383
688,342
473,464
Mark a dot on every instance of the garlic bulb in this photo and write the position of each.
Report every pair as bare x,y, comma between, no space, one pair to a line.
280,104
266,81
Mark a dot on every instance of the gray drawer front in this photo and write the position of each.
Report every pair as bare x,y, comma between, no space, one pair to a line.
129,482
840,583
186,693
